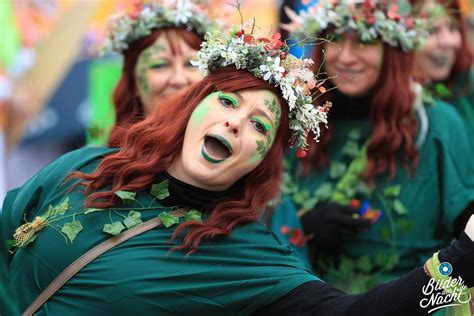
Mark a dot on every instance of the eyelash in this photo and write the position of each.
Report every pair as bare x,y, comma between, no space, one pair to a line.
223,98
259,127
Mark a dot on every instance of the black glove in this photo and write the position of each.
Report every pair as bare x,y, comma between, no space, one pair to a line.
331,223
461,256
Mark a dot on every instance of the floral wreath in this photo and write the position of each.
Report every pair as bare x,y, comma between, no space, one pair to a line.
389,21
268,59
125,28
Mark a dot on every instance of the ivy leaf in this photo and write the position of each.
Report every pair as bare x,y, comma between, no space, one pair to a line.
310,203
300,197
160,190
392,191
324,191
50,212
168,219
380,259
63,207
385,234
336,169
133,219
354,134
351,149
193,215
404,225
91,210
126,196
72,229
114,229
399,208
442,90
363,264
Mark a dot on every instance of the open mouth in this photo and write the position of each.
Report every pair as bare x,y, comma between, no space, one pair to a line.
216,148
440,61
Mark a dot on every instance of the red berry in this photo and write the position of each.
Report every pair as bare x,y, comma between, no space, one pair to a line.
301,152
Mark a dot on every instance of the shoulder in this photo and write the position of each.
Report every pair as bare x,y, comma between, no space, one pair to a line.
28,198
443,118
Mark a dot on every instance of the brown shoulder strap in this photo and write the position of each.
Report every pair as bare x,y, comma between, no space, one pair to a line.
86,258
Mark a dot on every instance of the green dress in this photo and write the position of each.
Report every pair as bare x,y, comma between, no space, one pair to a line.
463,101
8,305
418,211
235,275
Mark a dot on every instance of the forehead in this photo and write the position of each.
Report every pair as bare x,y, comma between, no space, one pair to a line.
170,42
260,99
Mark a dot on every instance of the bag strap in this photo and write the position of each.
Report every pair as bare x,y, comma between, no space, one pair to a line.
90,255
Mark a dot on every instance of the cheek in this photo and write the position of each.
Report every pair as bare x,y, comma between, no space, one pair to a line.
156,80
193,74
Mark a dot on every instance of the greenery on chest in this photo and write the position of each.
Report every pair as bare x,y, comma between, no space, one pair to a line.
68,224
344,184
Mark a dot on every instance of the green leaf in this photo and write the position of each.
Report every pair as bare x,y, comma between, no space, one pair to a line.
193,215
363,264
363,189
354,134
324,191
385,234
63,207
392,191
91,210
133,219
126,196
168,219
26,242
442,90
10,244
160,190
336,169
380,259
300,197
114,229
399,208
310,203
351,149
72,229
404,225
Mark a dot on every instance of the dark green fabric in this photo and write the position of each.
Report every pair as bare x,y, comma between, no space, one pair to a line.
463,101
434,197
8,304
238,274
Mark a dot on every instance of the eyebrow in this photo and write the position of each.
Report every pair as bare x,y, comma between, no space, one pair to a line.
237,93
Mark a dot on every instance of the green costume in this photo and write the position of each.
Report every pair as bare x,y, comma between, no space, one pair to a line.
237,274
418,211
8,304
463,100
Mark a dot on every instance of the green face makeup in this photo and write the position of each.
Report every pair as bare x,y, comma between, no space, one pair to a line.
227,100
201,111
264,125
263,146
145,62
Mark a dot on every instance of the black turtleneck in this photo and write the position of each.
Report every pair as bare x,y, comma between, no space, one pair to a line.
349,108
186,195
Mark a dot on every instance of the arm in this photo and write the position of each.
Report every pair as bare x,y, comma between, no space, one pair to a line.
399,297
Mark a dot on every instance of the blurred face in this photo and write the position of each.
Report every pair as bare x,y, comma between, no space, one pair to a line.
227,136
436,58
353,66
161,72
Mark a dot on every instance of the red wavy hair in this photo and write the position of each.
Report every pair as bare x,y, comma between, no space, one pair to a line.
128,109
464,58
150,146
394,124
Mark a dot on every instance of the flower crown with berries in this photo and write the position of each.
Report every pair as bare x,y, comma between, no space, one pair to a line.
125,28
268,59
389,21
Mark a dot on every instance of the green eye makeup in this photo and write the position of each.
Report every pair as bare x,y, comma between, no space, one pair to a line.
227,100
158,64
266,126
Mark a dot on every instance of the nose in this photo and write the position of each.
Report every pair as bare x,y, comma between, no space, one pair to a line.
233,125
178,78
448,38
347,54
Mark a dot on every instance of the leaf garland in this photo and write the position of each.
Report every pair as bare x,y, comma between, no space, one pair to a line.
27,232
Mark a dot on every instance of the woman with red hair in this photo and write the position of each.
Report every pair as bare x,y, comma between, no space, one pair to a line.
203,177
444,62
393,178
158,42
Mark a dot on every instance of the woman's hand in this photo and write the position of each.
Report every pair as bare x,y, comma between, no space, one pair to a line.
470,228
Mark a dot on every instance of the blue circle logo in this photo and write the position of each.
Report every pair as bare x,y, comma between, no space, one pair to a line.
445,268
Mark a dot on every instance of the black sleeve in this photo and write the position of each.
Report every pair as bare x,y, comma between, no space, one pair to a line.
462,219
398,297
